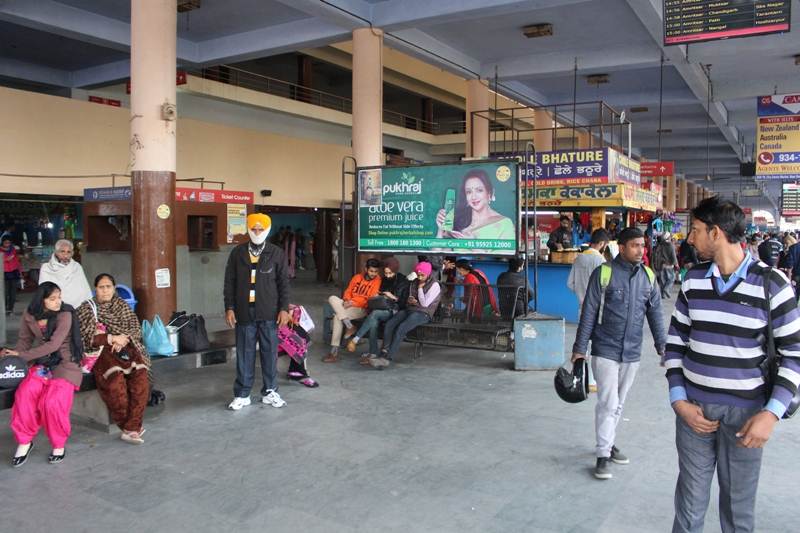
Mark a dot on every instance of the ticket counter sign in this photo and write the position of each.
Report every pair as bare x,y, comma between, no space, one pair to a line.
468,208
584,167
186,194
778,137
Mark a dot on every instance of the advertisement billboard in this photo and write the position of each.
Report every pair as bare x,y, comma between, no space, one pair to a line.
778,137
469,208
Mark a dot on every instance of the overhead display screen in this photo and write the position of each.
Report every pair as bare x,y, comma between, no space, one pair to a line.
691,21
790,200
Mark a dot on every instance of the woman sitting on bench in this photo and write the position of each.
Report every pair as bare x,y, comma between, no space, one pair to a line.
479,297
108,326
44,398
424,296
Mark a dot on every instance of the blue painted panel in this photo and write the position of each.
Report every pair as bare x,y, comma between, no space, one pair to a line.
538,343
554,297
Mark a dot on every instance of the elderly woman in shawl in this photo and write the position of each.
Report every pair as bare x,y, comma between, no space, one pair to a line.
110,329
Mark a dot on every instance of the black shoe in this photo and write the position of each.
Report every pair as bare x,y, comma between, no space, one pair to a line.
618,457
16,462
602,469
53,459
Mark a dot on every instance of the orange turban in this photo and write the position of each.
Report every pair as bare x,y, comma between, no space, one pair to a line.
259,218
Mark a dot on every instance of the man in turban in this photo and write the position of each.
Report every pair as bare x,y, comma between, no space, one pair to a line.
256,294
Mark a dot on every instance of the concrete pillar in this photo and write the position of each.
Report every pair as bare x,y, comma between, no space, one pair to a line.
368,96
584,139
691,195
477,127
153,121
543,139
670,194
682,194
305,77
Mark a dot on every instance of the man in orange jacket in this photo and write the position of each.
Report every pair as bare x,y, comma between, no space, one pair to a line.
353,305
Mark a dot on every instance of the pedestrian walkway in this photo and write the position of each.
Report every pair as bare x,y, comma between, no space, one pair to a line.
455,442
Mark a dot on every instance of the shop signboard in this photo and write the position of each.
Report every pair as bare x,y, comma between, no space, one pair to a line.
583,167
790,200
106,194
185,194
468,208
691,21
778,137
602,195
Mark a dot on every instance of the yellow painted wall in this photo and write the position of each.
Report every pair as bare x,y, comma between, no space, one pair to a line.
42,134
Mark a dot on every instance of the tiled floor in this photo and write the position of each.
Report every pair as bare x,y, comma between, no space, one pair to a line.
454,442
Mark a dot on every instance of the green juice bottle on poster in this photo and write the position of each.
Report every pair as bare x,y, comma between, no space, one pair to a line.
449,209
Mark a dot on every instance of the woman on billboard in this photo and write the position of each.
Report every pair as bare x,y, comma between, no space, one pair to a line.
471,216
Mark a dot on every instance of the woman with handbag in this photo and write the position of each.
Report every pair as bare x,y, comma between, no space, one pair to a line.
111,331
44,398
392,297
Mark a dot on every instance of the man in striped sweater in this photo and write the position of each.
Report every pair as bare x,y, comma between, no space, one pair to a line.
716,343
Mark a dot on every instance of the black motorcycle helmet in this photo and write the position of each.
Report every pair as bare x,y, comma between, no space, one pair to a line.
573,387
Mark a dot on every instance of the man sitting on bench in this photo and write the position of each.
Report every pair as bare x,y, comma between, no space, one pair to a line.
352,305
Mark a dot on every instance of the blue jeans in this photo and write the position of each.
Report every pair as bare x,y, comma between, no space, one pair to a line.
265,332
398,327
370,326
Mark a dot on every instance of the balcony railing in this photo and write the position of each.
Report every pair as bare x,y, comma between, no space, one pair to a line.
257,82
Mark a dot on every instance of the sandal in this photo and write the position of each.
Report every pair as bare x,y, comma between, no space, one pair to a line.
364,361
132,437
308,382
331,358
295,376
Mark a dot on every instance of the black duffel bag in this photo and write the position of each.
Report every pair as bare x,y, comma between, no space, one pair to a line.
192,334
13,370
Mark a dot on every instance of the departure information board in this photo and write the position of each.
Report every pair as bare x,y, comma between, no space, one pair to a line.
691,21
790,200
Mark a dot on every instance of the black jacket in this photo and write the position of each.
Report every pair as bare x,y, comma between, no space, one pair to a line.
272,283
398,285
510,288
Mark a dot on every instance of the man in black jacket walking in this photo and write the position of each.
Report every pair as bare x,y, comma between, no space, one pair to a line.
256,303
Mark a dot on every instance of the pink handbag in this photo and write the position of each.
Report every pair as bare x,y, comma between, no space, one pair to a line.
291,343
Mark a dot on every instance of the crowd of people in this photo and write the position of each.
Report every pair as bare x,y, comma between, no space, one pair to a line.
726,408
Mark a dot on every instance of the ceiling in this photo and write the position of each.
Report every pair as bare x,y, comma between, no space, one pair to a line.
80,43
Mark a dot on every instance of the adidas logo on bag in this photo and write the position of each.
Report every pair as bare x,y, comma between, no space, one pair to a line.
12,373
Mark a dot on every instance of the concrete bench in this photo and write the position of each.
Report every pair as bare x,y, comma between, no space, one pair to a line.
88,407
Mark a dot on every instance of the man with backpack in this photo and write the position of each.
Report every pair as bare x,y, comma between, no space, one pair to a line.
619,296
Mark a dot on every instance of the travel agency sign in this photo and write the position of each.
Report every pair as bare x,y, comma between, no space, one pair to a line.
778,137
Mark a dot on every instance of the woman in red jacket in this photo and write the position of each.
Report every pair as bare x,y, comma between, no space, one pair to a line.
44,398
478,295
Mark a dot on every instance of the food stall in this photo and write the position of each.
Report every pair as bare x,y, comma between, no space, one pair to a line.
602,183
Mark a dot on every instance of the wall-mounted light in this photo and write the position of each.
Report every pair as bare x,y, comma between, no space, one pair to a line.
538,30
597,79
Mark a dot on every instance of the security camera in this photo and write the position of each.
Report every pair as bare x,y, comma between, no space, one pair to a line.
266,192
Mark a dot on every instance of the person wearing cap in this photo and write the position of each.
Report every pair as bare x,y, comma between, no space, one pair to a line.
392,297
424,296
352,305
256,294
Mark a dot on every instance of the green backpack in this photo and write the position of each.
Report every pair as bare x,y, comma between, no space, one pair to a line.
605,280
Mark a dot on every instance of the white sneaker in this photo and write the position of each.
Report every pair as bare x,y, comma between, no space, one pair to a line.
238,403
273,398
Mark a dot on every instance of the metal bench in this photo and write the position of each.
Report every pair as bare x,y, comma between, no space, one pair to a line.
457,325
